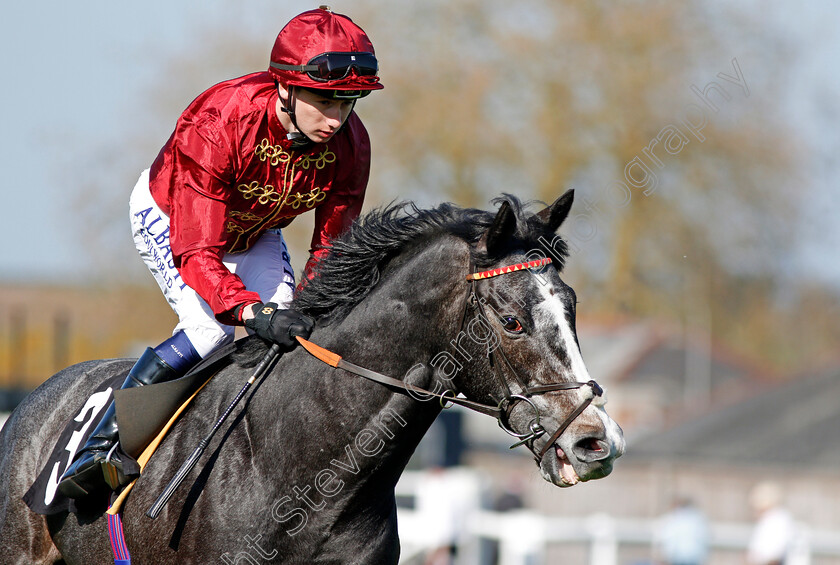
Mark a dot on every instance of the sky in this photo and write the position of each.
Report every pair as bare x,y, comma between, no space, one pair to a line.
73,71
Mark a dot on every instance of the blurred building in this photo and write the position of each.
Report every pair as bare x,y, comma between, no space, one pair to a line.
44,328
655,376
659,374
701,423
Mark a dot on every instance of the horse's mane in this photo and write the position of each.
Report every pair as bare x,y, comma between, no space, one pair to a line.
355,261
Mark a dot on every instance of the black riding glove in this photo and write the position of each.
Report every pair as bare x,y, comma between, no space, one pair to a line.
278,325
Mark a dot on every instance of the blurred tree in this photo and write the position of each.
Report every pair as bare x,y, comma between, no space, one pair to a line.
662,114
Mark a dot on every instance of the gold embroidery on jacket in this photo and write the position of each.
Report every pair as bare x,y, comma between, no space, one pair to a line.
278,198
325,157
274,154
263,194
231,228
246,216
308,199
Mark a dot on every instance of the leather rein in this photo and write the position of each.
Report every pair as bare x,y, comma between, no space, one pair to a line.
504,408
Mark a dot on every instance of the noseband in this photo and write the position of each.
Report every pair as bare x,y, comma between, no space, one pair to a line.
502,411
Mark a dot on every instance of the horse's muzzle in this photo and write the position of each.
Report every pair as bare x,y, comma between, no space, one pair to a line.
583,454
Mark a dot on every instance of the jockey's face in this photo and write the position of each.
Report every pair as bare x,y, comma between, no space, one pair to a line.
317,117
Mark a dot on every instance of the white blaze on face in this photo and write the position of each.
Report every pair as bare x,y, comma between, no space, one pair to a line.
552,311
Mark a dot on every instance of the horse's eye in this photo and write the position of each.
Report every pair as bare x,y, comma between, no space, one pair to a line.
511,325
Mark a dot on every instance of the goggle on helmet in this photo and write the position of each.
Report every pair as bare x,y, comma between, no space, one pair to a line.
326,52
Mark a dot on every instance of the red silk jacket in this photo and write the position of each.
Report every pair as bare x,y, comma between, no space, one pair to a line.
227,174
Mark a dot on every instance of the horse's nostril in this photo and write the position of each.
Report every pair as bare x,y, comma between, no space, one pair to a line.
591,449
591,444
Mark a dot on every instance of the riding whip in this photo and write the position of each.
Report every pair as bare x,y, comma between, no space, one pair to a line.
188,465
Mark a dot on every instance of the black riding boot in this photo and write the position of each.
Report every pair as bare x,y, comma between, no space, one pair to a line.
89,471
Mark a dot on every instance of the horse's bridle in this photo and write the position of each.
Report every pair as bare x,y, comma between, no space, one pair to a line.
504,408
510,400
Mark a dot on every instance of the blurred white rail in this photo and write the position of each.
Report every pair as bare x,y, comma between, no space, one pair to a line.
524,536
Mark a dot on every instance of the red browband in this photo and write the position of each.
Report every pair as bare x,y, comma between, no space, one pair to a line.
508,269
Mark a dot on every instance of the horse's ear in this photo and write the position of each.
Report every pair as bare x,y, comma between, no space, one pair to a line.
499,232
555,214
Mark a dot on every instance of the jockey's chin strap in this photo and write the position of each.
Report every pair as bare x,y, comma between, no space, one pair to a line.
504,408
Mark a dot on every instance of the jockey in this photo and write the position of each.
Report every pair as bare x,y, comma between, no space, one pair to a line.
246,157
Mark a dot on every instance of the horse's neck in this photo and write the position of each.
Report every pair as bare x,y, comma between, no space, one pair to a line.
412,313
398,328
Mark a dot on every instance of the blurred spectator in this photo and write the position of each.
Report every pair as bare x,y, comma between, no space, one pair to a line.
773,534
511,497
683,535
440,503
509,500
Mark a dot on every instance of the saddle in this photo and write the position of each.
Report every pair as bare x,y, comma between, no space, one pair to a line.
142,412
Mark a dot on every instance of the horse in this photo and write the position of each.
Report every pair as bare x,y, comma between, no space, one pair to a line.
305,469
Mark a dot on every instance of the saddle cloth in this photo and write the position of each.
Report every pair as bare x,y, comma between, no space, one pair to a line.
141,413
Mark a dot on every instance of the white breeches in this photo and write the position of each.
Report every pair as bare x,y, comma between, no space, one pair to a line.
264,269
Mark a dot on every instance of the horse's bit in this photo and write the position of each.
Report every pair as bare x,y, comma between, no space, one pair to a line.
504,408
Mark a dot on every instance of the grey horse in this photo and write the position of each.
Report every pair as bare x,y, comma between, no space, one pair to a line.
304,469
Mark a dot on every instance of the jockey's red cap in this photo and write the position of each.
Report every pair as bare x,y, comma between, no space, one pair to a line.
323,32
